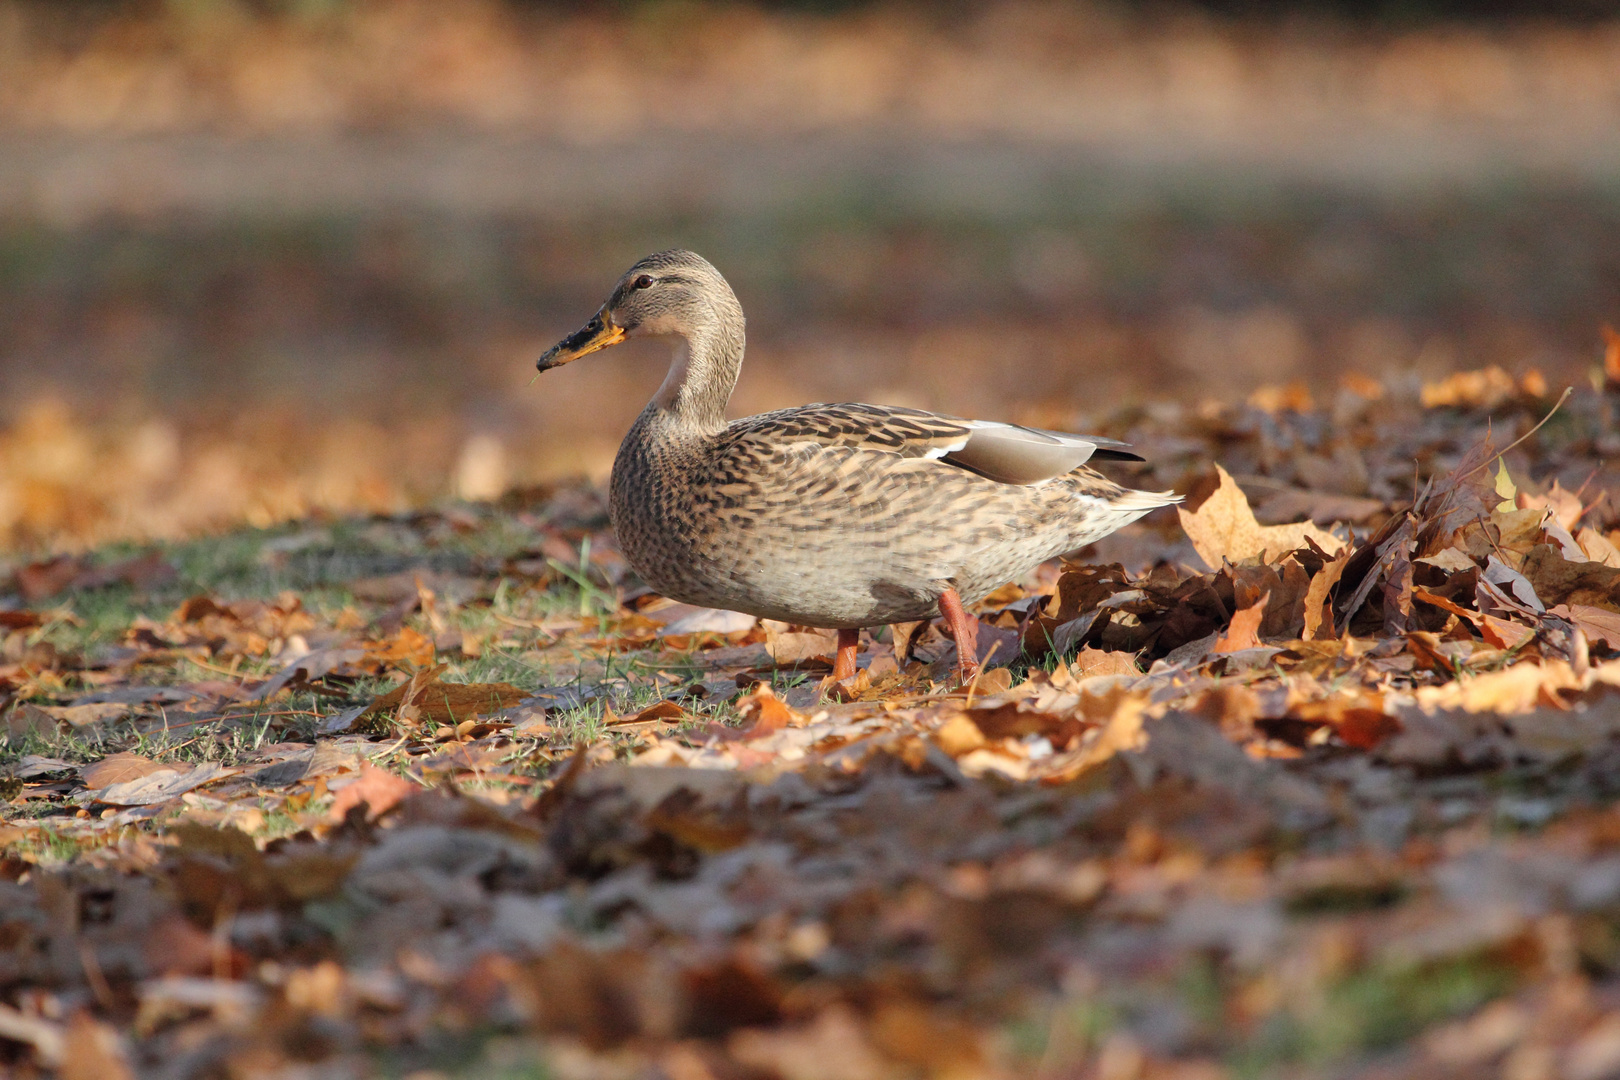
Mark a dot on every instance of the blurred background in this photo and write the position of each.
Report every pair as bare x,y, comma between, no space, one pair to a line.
263,257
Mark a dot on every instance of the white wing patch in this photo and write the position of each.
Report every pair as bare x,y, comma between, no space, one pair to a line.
1019,455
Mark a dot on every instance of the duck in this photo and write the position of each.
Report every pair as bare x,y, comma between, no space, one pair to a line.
834,516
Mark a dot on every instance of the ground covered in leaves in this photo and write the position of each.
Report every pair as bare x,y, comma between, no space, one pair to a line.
1317,778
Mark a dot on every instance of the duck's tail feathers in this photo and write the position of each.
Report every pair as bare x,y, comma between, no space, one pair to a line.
1142,501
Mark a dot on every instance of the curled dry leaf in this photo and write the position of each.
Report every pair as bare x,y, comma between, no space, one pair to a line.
1505,633
1122,731
1244,631
1317,621
1565,506
663,712
959,735
377,789
763,712
1224,528
1598,548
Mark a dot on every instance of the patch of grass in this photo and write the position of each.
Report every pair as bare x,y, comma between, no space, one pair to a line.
45,847
473,1055
277,822
1372,1010
1054,1041
71,746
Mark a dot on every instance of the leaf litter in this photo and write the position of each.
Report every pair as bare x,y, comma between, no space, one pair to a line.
1319,778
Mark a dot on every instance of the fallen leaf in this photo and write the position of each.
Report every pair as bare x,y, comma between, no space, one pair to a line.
161,786
1244,631
143,572
118,769
85,716
1451,560
1286,583
1517,689
29,719
446,703
654,718
1224,528
308,668
407,649
662,711
1598,548
1318,599
1504,588
1121,732
1506,490
959,735
32,765
1565,505
378,789
1598,624
1091,662
1485,389
42,580
833,1044
687,619
990,682
1505,633
763,712
790,646
1554,579
848,689
1359,720
1064,636
93,1051
682,817
1425,649
1231,707
919,1036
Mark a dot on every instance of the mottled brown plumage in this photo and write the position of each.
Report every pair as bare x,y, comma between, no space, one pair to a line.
838,516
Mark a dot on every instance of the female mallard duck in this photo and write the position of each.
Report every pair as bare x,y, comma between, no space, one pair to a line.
837,516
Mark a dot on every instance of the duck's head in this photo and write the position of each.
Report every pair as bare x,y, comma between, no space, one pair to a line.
671,292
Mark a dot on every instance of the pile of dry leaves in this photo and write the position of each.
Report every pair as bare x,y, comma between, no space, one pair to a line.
1322,783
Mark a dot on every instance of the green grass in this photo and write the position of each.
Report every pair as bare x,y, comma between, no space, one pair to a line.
1369,1010
480,1054
319,562
1373,1010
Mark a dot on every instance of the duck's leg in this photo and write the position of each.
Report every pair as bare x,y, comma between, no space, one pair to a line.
965,630
849,643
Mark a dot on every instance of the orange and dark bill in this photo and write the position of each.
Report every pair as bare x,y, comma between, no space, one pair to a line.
599,333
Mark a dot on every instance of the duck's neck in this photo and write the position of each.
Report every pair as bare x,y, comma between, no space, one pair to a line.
708,357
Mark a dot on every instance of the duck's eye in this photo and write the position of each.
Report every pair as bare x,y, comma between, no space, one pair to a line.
643,282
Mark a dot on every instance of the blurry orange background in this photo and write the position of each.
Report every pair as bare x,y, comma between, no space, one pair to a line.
263,258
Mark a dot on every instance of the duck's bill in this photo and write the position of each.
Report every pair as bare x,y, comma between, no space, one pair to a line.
599,333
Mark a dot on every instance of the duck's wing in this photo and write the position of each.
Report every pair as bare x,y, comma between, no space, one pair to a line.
1009,453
